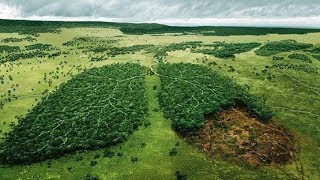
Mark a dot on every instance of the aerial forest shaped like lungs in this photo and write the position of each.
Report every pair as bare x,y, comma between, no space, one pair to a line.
189,92
102,106
96,109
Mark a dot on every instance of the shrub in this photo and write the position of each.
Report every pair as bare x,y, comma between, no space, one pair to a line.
173,151
298,67
301,57
317,57
277,58
181,176
134,159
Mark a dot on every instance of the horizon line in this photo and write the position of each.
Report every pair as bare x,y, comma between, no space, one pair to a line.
191,22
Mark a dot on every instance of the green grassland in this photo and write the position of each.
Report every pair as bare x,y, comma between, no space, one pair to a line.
291,87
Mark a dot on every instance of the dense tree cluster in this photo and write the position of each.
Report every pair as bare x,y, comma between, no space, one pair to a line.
189,92
36,27
77,41
87,42
115,51
140,29
277,47
13,53
9,49
27,27
228,50
95,109
28,39
56,54
314,51
301,57
40,47
26,55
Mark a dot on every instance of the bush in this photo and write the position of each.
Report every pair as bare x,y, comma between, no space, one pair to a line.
277,58
173,151
317,57
298,67
92,177
301,57
93,163
134,159
108,153
181,176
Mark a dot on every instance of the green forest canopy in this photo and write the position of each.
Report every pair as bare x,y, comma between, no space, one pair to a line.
96,109
189,92
36,27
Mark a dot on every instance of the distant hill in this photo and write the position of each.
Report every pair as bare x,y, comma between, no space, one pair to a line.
35,27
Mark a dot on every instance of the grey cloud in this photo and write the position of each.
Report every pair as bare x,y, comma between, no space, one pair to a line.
150,9
157,10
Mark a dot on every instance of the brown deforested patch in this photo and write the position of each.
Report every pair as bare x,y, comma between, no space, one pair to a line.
234,133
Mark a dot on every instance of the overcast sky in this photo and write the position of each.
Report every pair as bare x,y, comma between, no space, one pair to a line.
177,12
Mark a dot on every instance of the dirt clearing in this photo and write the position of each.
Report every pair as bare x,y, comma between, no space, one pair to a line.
235,134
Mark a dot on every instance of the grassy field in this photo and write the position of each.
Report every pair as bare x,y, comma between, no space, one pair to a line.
294,96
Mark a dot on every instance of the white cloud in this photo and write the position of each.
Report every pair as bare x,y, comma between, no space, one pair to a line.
8,12
178,12
268,22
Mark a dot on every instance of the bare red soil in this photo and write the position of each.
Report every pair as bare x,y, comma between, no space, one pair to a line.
235,134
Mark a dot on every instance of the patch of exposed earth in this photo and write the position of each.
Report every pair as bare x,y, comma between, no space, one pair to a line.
235,134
